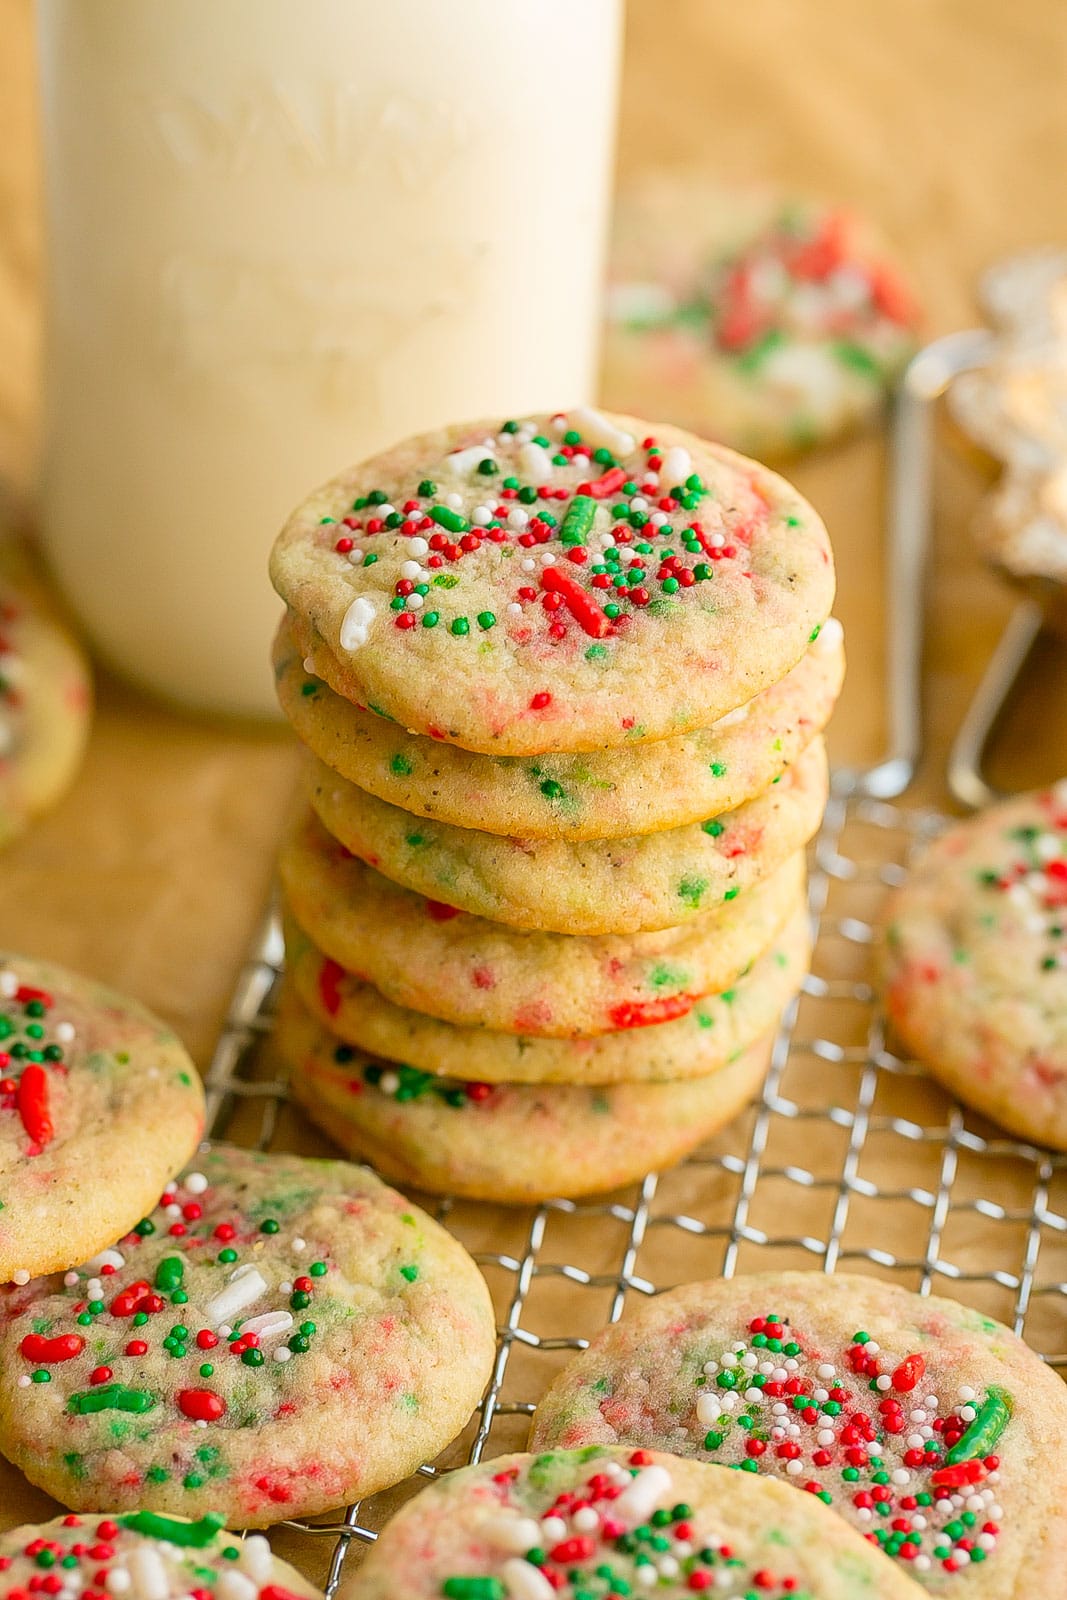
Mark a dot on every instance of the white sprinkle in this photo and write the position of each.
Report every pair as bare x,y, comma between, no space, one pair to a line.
901,1475
146,1568
646,1576
518,518
299,1245
547,559
528,564
668,1567
256,1558
410,569
638,503
794,1468
231,1585
708,1408
245,1286
117,1581
921,1563
282,1352
356,556
883,1382
914,1441
967,1413
825,1371
831,637
584,1520
70,1279
553,1529
454,501
418,545
753,1394
598,431
677,465
94,1289
481,517
269,1324
523,1581
820,1395
24,1381
355,627
106,1258
414,602
389,1082
21,1277
514,609
8,984
535,463
637,1502
658,519
825,1436
965,1392
173,1210
65,1032
511,1533
462,462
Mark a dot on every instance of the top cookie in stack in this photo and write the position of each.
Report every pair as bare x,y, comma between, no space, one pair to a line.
563,675
686,580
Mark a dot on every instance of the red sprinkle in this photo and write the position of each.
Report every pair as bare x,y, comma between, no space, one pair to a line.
201,1405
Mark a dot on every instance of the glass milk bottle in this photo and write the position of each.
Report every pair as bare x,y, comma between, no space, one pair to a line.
282,235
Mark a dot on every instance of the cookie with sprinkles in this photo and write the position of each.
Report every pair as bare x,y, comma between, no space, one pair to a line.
142,1555
510,1143
45,698
931,1429
426,956
975,963
706,1037
640,788
99,1105
606,1523
277,1337
771,323
596,886
569,582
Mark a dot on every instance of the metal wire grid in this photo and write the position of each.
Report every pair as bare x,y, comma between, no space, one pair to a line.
988,1223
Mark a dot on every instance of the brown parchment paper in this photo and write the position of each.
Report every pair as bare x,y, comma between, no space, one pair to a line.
947,124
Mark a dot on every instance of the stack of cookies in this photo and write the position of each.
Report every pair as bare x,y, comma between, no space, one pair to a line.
562,681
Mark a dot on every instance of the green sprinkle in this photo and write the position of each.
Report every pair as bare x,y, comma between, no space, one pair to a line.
486,619
713,827
578,520
552,790
410,1273
110,1397
445,517
430,619
459,626
318,1269
732,894
989,1423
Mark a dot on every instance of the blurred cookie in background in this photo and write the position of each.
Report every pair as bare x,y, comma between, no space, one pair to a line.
770,323
45,696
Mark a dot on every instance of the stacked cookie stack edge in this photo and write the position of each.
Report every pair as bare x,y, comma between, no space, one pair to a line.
562,682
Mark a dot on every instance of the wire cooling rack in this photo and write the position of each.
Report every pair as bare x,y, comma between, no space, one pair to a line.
851,1159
